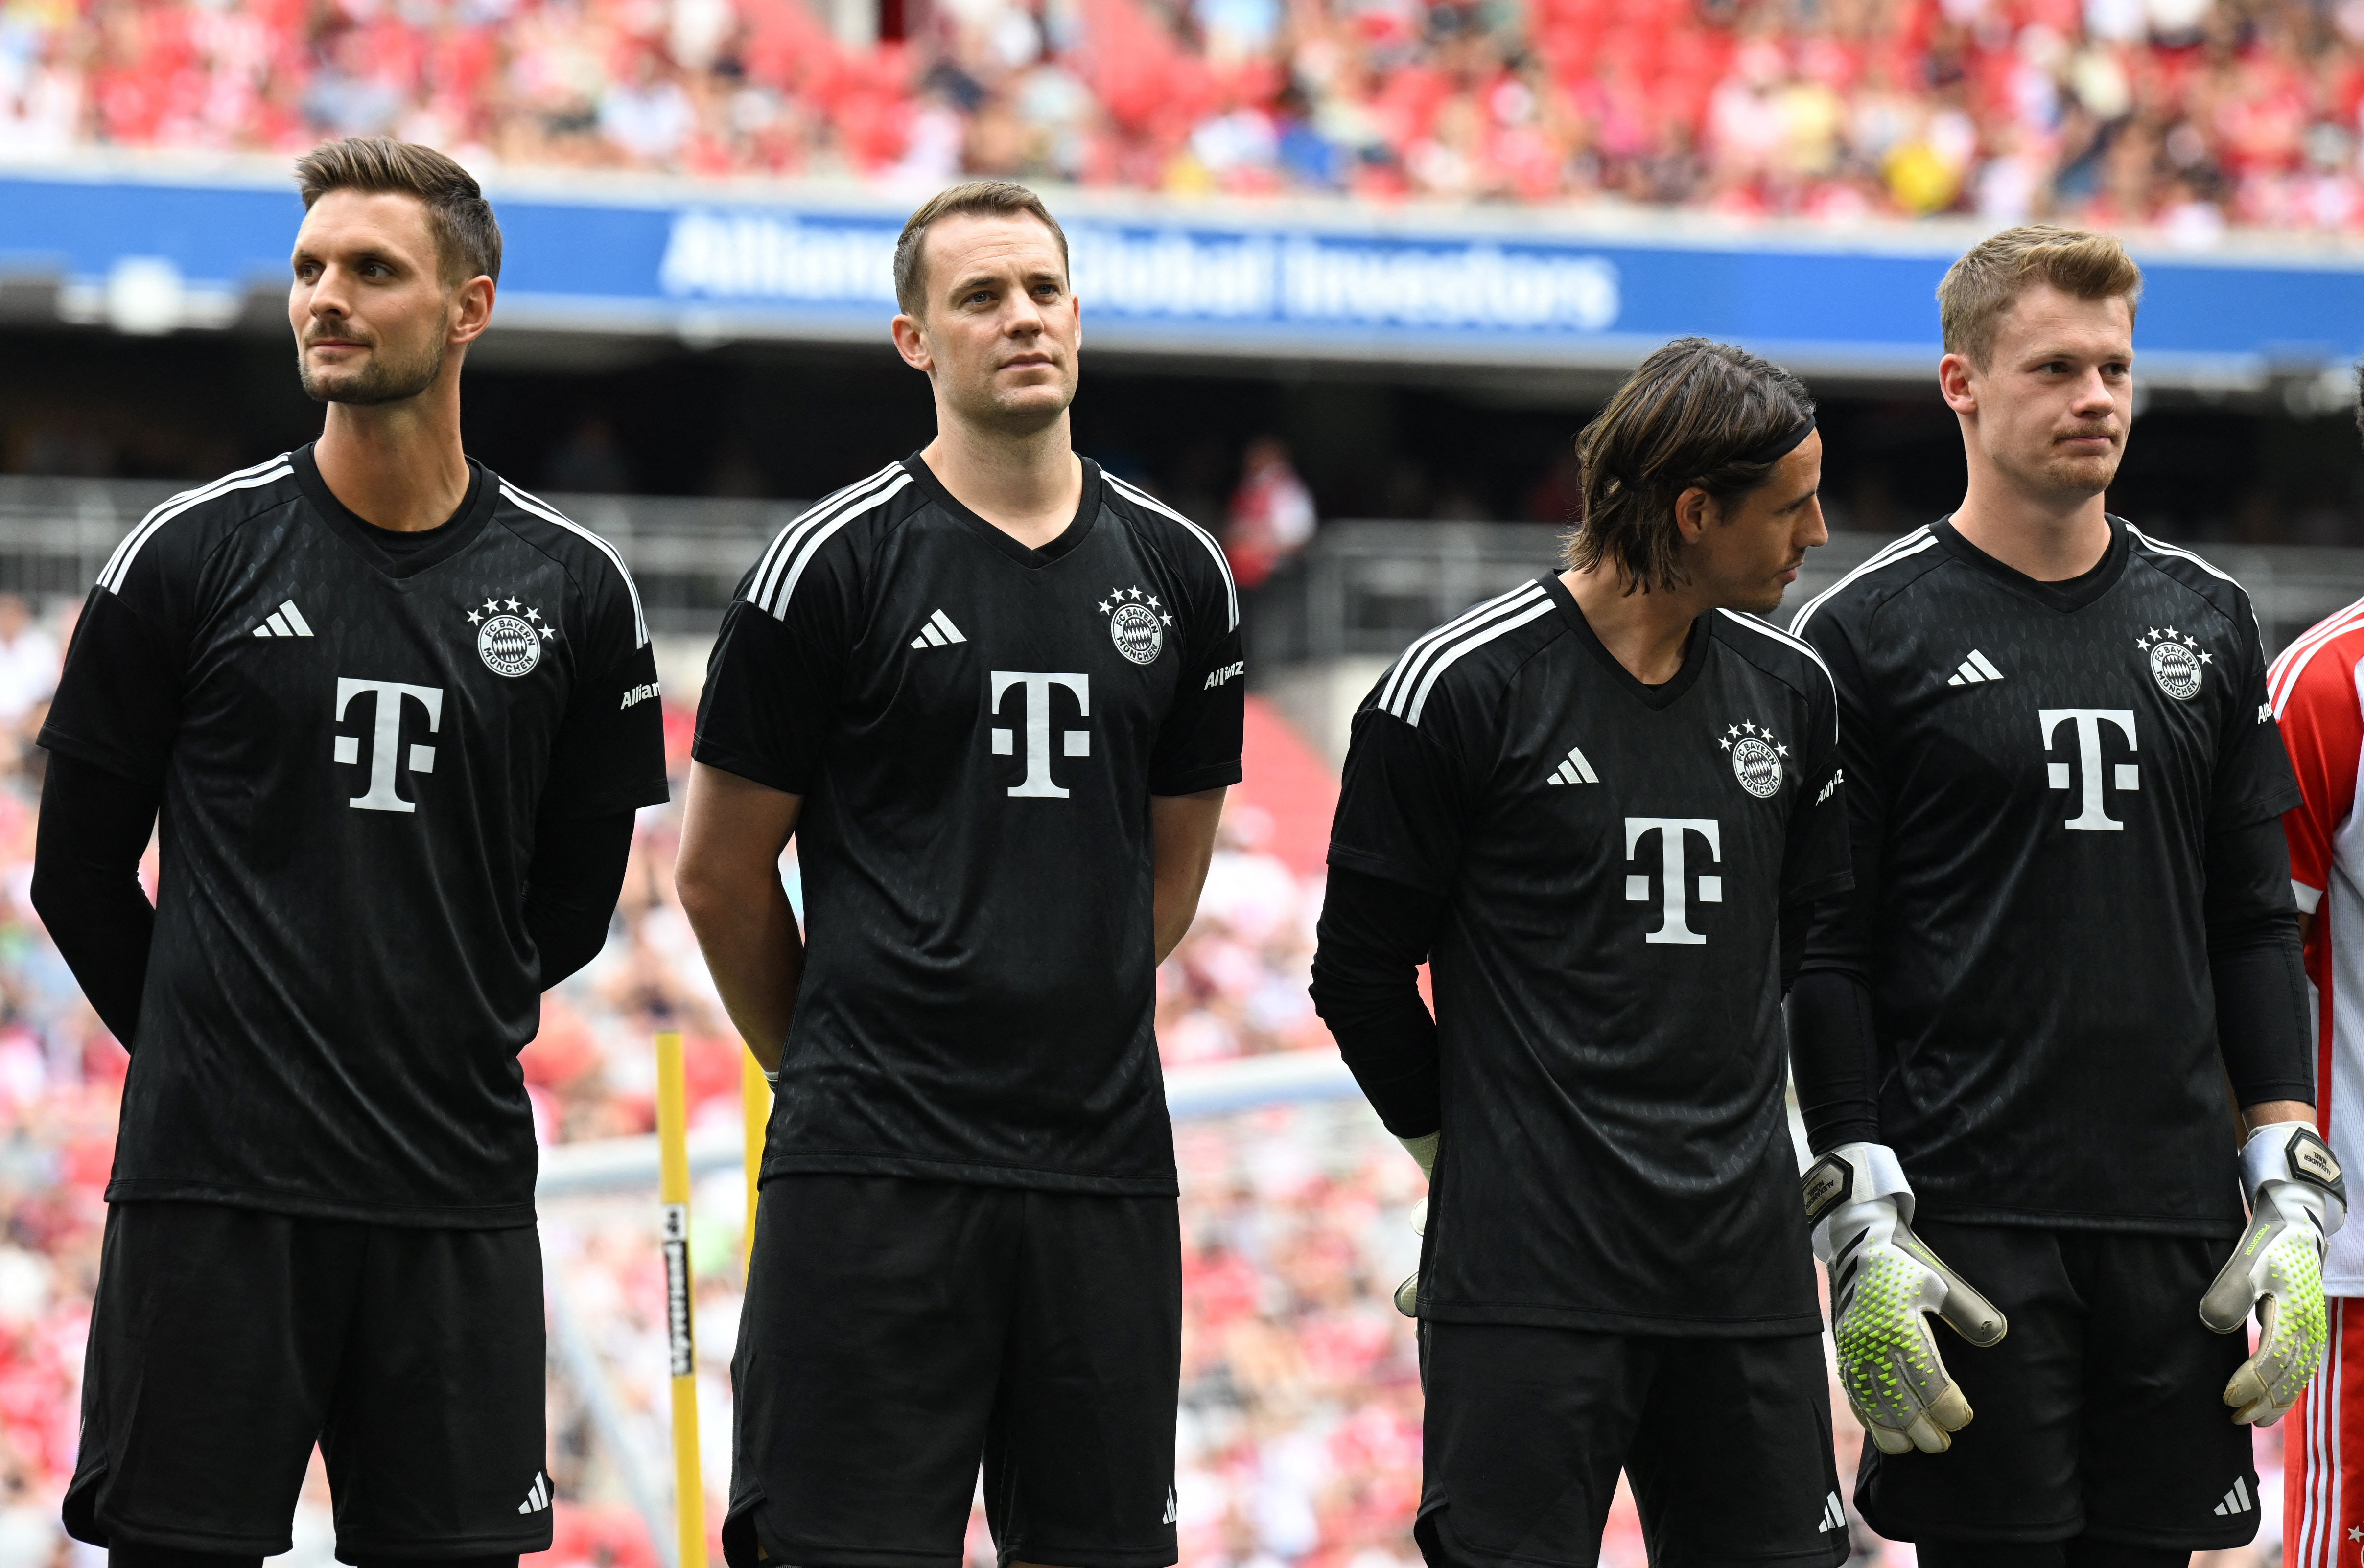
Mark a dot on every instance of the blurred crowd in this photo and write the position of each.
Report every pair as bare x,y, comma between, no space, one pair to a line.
2185,115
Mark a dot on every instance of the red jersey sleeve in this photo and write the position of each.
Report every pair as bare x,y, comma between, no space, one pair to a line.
2312,687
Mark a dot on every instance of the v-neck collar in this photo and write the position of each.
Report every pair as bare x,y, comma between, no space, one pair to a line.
476,510
1657,697
1080,527
2067,595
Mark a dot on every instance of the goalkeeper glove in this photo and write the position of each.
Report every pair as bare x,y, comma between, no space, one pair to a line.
2297,1199
1423,1148
1883,1280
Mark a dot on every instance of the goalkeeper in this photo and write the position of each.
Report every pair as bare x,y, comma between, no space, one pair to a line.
1597,805
2071,927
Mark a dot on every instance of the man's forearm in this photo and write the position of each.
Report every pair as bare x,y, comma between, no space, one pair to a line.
2268,1112
727,875
757,957
1182,834
93,827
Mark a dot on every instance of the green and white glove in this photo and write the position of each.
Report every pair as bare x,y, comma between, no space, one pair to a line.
2297,1199
1423,1148
1884,1280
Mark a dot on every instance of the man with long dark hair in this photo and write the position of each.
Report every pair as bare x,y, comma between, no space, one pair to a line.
1598,806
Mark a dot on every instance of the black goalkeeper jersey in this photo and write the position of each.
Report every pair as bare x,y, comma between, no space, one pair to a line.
1612,858
354,748
2034,771
977,729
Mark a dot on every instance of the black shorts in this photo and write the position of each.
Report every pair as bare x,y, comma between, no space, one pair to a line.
897,1330
1727,1443
225,1341
2101,1413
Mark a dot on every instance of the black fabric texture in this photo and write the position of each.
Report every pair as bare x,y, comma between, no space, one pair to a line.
1834,1059
2082,1552
2255,966
132,1555
95,826
1526,1429
225,1341
1608,862
2054,797
896,1332
977,729
1372,938
570,886
356,758
506,1560
2098,1415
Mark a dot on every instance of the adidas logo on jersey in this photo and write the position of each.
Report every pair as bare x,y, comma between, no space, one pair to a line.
2238,1501
284,621
1573,769
1834,1513
1976,668
1173,1506
536,1496
938,632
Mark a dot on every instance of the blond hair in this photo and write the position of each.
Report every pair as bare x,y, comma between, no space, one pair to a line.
1980,288
994,197
467,236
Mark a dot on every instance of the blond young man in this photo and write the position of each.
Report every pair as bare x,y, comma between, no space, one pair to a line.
2071,924
996,695
394,711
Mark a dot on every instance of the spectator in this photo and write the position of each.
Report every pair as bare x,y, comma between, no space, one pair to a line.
1271,514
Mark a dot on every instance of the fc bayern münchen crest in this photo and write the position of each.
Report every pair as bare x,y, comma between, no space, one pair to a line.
2175,661
1755,757
509,643
1136,624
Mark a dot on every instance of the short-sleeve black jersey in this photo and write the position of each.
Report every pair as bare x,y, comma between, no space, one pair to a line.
1612,858
354,748
2034,770
977,729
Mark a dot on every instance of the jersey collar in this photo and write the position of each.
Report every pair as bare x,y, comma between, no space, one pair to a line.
2066,597
464,524
1652,697
1088,511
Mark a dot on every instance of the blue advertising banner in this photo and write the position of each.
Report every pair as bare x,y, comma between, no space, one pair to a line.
147,255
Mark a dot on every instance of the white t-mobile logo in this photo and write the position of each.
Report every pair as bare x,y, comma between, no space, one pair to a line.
2090,817
1072,742
386,756
1674,833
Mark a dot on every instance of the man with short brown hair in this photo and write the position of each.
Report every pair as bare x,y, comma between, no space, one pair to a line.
397,714
996,695
2071,925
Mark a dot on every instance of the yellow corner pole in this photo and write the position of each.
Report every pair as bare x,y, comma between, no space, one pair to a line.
755,1109
672,1192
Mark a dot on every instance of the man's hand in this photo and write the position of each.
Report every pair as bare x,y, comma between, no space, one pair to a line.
1182,843
2297,1198
1884,1281
1423,1150
729,877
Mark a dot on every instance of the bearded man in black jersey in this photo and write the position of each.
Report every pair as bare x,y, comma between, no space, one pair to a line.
1600,806
995,692
2071,927
394,710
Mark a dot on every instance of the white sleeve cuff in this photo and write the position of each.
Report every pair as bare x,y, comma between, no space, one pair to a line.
2308,897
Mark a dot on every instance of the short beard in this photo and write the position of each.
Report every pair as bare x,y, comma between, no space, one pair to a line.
384,381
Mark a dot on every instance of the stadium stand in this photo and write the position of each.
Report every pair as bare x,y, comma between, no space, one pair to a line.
2186,115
